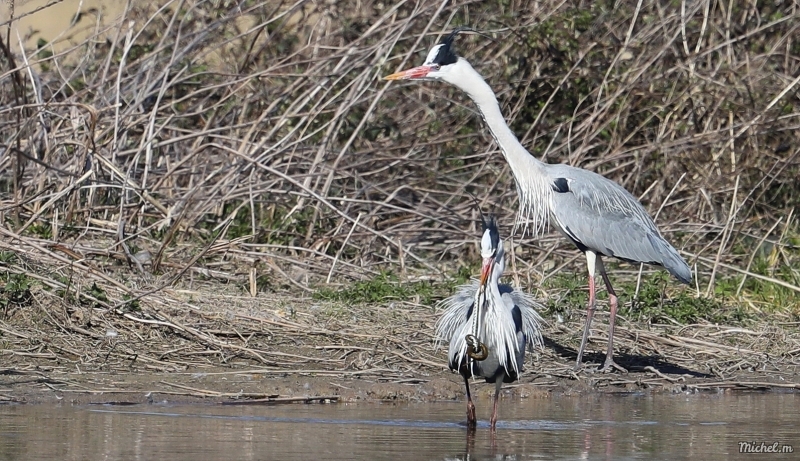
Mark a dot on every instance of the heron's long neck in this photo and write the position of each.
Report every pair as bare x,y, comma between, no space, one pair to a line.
495,284
515,153
533,185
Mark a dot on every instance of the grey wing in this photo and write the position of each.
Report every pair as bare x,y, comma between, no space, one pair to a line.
527,324
530,323
598,214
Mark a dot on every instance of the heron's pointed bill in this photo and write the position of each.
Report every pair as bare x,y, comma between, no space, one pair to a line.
486,269
410,74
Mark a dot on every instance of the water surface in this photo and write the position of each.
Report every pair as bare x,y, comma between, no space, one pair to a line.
646,427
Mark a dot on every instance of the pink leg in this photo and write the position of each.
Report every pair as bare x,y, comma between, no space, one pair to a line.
612,304
472,421
589,316
498,384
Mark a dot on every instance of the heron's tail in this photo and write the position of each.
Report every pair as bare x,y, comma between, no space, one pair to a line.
675,264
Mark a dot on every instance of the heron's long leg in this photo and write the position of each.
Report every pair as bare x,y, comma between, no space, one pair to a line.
498,384
590,262
471,419
612,305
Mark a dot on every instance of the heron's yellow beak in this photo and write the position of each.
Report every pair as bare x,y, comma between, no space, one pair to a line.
486,269
413,73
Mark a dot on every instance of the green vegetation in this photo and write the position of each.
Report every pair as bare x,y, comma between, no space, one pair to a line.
43,231
93,295
387,287
661,299
569,293
44,53
384,288
15,288
770,297
678,304
99,294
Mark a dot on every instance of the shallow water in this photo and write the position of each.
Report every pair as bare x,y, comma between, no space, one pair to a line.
697,426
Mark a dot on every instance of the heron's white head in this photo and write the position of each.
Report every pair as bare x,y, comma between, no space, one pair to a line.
442,63
491,251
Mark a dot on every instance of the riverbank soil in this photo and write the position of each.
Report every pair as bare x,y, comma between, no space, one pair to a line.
208,342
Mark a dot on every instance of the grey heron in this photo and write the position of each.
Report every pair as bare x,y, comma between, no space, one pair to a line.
489,324
596,214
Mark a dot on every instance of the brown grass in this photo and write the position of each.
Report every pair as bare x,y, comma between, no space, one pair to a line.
254,143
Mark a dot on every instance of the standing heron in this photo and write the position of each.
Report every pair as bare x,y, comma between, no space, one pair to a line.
488,324
596,214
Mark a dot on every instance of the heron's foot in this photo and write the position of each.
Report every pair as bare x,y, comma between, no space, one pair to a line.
610,364
472,421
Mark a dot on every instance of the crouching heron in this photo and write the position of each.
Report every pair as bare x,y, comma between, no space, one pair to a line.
489,324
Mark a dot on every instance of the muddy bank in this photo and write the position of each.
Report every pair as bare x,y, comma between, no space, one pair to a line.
254,387
212,345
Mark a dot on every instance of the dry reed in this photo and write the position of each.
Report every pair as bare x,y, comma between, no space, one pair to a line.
253,143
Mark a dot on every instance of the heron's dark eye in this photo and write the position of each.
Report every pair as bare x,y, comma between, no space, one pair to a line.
436,67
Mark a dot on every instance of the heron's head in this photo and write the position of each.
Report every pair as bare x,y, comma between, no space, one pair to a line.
442,63
491,249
